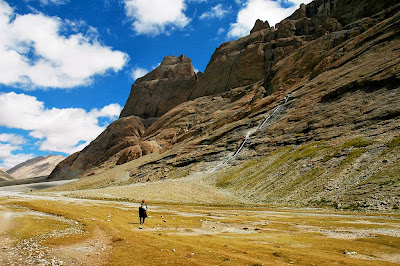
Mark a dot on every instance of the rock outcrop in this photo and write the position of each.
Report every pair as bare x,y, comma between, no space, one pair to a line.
137,151
167,86
324,85
251,58
260,25
36,167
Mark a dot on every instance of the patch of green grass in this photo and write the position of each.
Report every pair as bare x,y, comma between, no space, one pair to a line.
307,151
307,177
230,175
357,143
394,142
332,153
28,226
354,154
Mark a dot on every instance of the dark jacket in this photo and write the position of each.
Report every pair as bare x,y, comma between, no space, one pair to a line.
142,210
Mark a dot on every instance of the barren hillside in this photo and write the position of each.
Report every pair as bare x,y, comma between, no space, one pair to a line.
39,166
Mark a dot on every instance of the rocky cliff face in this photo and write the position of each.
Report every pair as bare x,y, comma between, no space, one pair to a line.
36,167
151,96
123,133
309,109
167,86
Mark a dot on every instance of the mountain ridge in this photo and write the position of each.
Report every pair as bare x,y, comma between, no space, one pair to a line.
36,167
337,133
4,176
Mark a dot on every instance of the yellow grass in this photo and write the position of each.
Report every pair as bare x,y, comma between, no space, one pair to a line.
200,235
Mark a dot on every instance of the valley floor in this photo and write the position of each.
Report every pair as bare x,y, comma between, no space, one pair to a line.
52,229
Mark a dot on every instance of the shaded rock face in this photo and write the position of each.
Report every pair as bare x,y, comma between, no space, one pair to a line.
159,91
251,58
123,133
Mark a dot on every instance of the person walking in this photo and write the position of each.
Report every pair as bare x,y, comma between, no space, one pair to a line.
142,212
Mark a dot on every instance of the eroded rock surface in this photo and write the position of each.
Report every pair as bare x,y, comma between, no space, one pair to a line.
167,86
123,133
327,77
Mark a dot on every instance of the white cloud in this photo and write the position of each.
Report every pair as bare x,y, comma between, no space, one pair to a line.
216,12
261,9
220,31
138,72
35,55
154,17
9,143
10,160
12,139
61,130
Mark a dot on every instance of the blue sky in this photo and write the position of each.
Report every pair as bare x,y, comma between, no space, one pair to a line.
67,66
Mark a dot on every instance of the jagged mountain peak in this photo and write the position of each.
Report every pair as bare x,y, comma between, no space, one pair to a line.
167,86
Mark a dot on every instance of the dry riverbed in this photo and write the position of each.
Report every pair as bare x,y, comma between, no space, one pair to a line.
57,230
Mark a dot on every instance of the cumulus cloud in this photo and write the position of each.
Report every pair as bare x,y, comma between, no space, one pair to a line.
216,12
34,53
12,139
273,11
154,17
9,143
61,130
10,160
138,72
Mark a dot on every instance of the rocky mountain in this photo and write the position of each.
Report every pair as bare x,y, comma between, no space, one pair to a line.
306,112
4,176
39,166
167,86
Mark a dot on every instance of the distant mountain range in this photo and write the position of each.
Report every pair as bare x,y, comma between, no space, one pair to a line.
4,176
39,166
